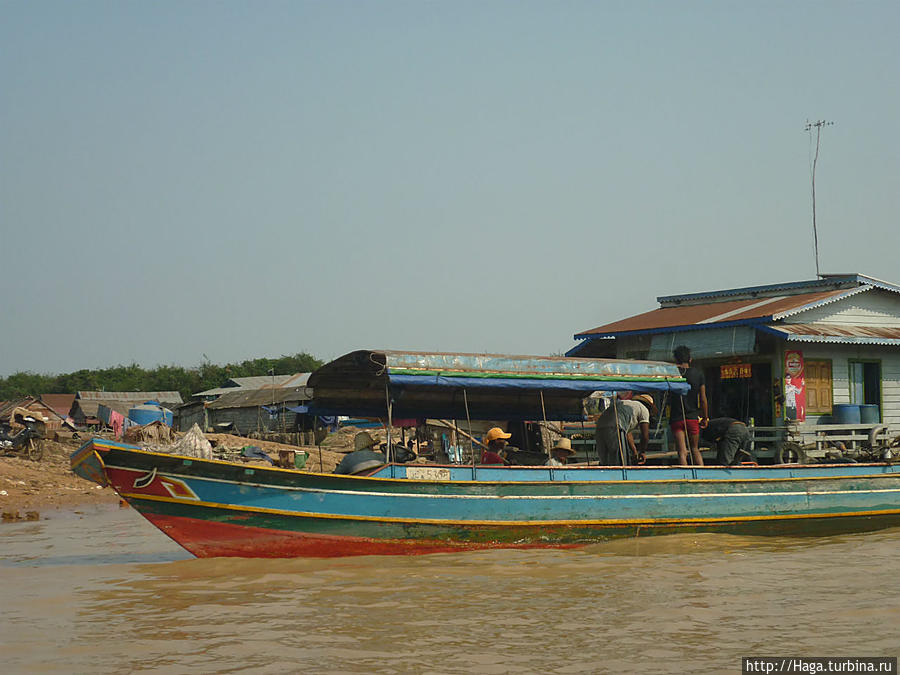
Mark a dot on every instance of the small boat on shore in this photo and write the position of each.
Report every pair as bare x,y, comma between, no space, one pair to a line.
217,508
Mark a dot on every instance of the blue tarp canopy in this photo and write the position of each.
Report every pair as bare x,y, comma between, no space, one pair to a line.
486,386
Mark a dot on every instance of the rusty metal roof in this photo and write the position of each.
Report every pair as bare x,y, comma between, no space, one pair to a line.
727,311
837,333
61,403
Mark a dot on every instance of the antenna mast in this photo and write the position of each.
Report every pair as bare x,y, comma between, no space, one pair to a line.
818,127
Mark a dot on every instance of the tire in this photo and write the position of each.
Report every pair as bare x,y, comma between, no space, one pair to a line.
35,450
790,453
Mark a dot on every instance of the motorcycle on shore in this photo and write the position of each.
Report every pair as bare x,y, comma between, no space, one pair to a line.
24,442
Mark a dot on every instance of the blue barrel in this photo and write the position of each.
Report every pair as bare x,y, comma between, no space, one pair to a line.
844,413
147,413
869,414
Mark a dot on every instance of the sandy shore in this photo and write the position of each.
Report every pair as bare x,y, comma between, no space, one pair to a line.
29,490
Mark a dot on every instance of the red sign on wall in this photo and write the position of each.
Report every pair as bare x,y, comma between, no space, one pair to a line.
794,386
735,371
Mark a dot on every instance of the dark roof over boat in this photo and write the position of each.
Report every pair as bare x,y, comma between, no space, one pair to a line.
480,386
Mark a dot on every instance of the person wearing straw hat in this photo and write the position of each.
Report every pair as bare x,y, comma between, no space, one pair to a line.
560,453
496,441
612,437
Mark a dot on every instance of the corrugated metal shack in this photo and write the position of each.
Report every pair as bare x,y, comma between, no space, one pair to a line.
255,410
42,411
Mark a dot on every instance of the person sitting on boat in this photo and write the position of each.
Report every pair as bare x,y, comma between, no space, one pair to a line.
731,440
613,439
496,441
560,453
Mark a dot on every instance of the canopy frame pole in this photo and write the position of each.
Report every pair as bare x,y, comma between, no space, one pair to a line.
389,453
546,426
618,429
586,453
469,427
687,439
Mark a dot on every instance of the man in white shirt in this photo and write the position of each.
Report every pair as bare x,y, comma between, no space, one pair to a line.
614,443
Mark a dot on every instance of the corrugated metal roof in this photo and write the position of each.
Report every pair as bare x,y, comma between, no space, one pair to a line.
827,282
727,311
135,396
61,403
257,397
837,333
258,382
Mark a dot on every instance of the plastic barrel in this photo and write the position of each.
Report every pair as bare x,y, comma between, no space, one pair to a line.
869,414
147,413
844,413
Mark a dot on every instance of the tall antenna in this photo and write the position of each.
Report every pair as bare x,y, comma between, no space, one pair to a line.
818,127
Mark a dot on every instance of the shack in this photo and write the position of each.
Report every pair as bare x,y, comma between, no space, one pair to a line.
802,354
255,410
85,408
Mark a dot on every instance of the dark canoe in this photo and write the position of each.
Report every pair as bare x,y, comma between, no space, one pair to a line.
215,508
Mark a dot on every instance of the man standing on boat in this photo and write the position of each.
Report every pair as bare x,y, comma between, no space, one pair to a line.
612,438
689,412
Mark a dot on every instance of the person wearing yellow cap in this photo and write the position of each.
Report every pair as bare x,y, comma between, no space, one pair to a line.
496,441
612,437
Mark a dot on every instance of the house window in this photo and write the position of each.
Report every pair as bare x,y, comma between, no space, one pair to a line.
865,382
819,387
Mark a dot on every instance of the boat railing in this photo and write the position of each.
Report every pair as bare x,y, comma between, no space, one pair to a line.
817,439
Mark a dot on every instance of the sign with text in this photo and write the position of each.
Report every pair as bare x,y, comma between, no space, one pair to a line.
794,386
735,371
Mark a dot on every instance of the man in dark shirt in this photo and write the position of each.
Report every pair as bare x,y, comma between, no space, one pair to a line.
731,438
689,412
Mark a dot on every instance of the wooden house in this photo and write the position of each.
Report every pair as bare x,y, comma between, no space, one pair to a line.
804,353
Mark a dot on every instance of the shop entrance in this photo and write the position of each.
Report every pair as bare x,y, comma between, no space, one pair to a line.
742,391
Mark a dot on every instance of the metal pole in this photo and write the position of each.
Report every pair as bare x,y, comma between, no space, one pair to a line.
469,427
544,413
387,394
618,429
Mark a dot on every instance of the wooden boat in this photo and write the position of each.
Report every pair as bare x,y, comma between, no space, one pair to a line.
216,508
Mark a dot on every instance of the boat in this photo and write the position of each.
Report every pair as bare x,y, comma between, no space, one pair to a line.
219,508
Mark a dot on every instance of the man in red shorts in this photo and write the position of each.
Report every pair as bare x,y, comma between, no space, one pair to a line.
689,412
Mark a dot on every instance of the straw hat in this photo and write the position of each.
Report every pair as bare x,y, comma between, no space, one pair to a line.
495,433
363,440
648,399
563,444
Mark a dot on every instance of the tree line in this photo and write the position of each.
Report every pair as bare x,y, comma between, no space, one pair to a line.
133,377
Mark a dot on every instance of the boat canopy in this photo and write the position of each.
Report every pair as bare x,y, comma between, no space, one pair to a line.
486,386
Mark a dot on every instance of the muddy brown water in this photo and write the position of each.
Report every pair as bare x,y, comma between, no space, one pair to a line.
105,592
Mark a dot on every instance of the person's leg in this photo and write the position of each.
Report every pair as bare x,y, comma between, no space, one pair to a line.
693,429
680,442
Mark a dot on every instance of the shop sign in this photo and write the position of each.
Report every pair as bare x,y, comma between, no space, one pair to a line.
794,386
735,371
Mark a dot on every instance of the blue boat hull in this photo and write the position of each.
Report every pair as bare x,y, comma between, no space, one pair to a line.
221,508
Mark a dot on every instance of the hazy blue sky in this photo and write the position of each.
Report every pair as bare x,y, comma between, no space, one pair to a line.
244,179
